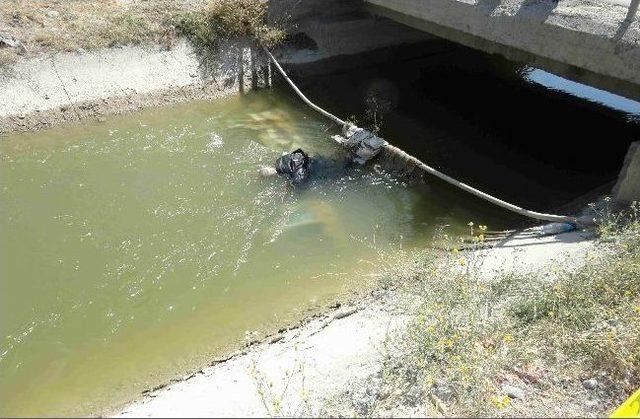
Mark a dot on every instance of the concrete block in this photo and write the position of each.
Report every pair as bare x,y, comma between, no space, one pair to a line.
627,189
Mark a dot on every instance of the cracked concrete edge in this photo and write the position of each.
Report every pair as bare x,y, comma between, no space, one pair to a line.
288,337
114,105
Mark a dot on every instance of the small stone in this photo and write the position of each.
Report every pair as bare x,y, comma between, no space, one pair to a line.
513,392
9,41
53,14
590,384
591,403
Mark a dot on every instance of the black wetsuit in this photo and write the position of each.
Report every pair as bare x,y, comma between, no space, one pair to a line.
294,165
299,167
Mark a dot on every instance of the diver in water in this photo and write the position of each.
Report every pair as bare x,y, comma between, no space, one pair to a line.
360,146
298,167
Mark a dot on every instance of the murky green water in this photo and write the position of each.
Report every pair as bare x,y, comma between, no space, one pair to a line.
135,249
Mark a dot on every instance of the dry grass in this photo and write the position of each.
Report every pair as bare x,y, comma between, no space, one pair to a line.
52,26
229,19
56,25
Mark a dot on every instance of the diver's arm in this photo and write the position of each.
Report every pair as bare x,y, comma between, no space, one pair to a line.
268,171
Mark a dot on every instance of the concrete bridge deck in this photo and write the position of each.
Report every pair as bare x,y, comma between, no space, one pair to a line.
596,42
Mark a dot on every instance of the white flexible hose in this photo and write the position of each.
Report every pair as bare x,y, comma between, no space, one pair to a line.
302,96
431,170
480,194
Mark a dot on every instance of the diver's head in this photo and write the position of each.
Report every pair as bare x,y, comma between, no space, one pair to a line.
294,165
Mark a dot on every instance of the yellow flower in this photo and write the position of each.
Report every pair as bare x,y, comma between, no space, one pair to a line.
500,402
507,338
462,261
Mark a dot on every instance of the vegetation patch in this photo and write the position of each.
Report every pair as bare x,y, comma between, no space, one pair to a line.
224,19
46,26
521,343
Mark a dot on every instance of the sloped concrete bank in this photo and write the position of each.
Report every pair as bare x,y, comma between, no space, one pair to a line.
332,365
41,92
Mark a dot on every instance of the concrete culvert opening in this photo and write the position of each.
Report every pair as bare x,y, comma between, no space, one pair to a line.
478,118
